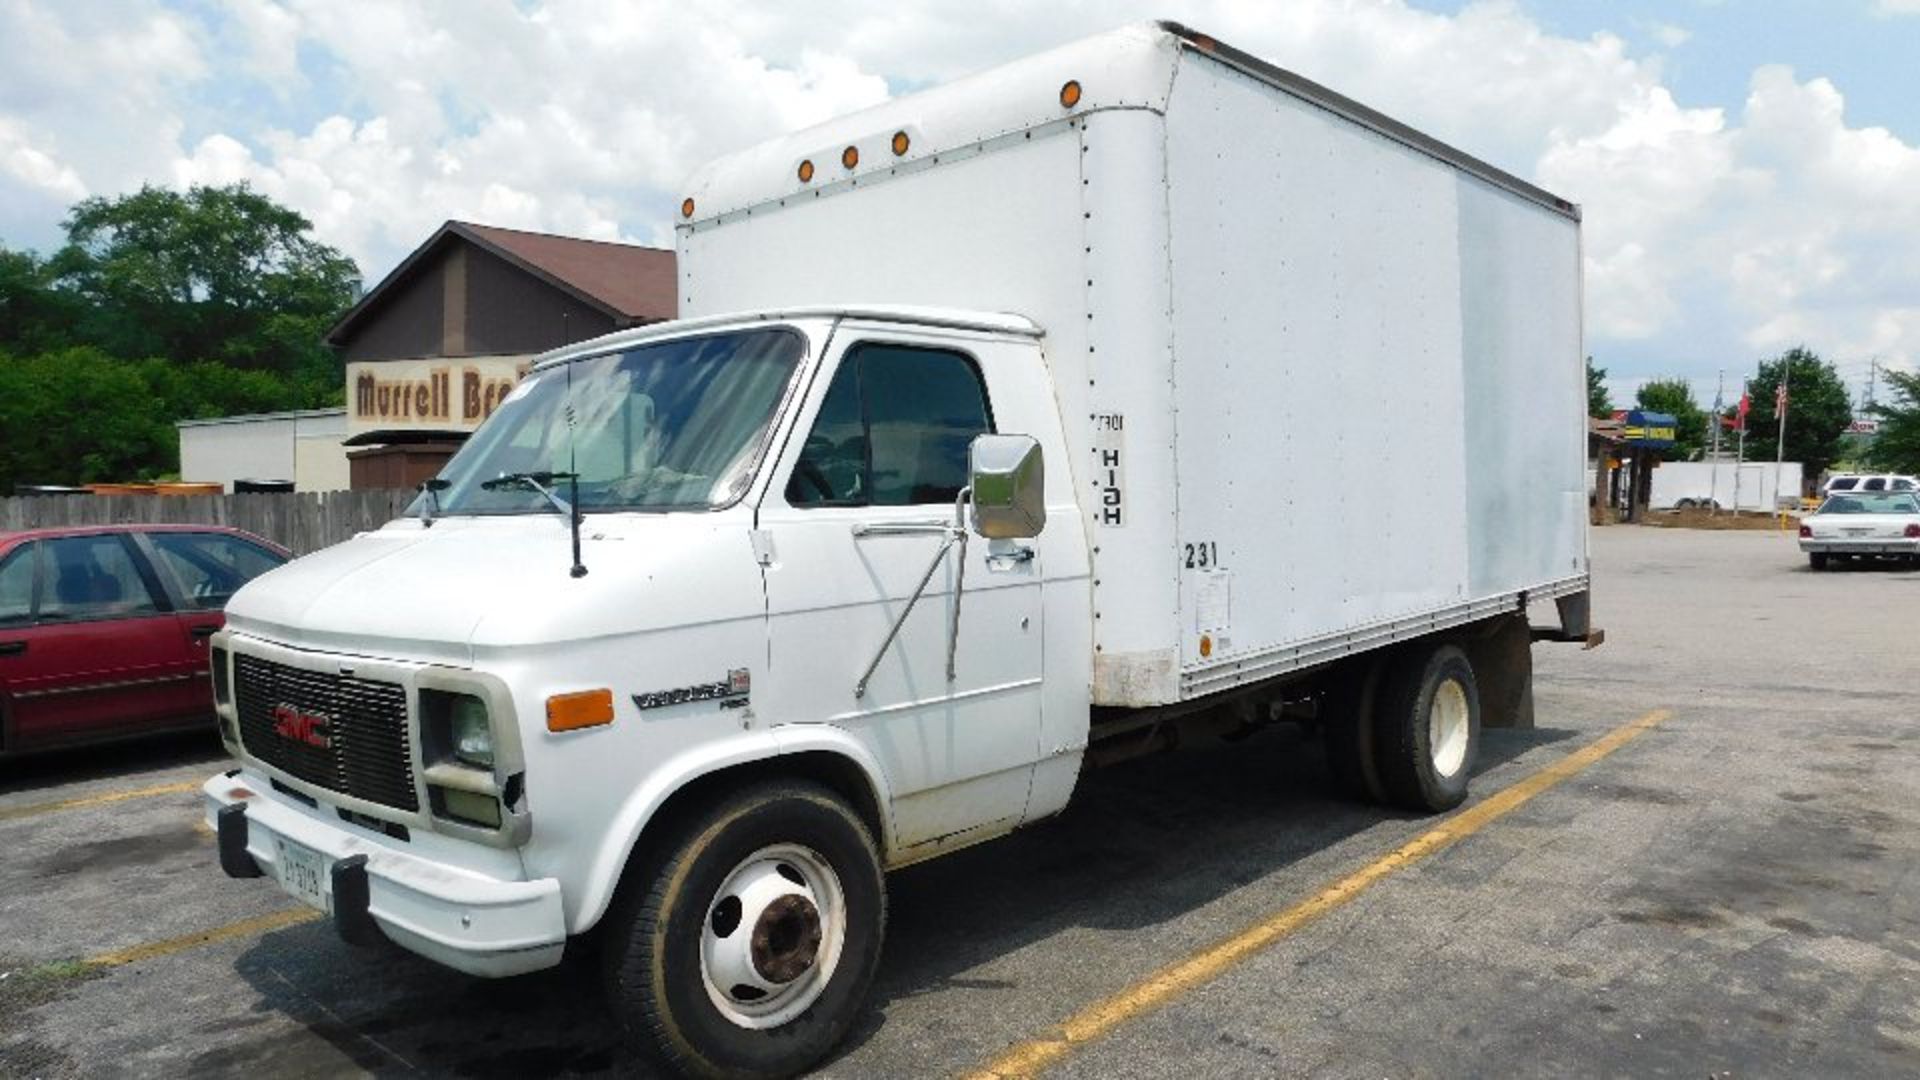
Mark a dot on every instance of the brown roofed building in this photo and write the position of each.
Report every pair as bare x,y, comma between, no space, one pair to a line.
432,349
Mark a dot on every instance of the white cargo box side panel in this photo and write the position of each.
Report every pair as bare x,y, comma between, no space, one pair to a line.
1526,391
1317,337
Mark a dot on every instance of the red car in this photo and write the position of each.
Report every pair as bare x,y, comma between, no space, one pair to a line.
103,629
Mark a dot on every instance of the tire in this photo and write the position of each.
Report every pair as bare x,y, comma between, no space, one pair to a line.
1346,730
1685,504
685,924
1817,560
1427,728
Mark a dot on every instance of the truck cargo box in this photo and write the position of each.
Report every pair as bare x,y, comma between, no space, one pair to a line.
1320,374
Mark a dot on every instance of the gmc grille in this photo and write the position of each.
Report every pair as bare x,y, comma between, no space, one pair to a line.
360,747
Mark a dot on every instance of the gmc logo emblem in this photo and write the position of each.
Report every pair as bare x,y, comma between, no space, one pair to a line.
309,728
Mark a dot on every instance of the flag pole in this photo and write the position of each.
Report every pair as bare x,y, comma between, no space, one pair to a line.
1719,397
1740,448
1780,399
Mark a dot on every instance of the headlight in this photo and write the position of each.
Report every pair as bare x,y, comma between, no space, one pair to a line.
472,734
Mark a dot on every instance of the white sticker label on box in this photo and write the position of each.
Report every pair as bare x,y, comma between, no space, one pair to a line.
1109,470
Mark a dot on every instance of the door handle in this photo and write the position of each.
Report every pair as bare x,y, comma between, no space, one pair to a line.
204,631
12,648
1015,557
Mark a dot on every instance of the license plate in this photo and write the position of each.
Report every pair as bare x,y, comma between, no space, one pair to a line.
302,871
1856,532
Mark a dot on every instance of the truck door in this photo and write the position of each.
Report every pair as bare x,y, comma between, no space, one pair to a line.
857,513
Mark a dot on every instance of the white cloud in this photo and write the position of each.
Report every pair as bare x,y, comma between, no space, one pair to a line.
1710,232
1888,8
1670,35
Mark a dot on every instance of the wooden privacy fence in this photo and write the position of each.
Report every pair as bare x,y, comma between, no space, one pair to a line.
300,521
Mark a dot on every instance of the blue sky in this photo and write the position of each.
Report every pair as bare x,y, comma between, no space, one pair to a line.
1872,57
1750,171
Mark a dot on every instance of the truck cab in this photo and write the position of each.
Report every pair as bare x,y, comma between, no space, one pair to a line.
455,731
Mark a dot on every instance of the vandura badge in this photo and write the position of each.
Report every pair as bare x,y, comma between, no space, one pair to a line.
302,727
731,692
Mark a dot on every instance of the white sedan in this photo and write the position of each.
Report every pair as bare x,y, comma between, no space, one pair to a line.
1863,524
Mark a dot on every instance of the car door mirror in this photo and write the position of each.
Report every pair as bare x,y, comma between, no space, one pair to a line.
1009,487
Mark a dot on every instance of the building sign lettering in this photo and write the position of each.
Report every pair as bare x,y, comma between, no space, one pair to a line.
444,395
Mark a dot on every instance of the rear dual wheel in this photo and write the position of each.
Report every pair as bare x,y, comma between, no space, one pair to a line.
1405,729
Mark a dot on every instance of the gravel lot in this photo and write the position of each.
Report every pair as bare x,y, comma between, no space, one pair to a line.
1734,892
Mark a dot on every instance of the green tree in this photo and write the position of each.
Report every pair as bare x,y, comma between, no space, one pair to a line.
1897,446
1675,397
212,273
34,316
1818,410
1599,404
77,415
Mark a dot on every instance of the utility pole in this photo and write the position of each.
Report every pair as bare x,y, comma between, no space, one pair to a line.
1713,435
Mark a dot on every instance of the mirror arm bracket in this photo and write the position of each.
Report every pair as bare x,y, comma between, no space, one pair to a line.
954,535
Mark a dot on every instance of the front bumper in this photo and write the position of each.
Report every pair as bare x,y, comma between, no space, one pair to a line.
466,921
1861,545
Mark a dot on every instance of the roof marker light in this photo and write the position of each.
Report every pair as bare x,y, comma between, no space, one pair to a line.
900,143
850,156
1070,94
806,172
686,208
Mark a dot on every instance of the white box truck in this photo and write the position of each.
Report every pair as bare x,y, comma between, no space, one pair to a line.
1131,391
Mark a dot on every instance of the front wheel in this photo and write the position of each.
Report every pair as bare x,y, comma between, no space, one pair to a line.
746,948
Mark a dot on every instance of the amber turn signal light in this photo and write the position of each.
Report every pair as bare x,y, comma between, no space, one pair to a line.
584,708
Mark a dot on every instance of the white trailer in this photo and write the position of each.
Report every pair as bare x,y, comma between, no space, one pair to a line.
1134,390
1755,485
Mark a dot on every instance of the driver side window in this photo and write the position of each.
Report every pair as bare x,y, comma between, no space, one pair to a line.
893,430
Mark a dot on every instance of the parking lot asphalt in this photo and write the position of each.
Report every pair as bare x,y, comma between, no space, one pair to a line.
1730,887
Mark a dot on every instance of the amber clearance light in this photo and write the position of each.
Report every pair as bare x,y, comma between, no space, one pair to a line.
1070,94
900,143
806,172
686,208
583,708
850,156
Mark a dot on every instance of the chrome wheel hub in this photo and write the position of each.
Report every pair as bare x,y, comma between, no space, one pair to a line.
773,936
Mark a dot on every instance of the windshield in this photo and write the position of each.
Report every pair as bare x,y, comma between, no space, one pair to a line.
672,425
1864,503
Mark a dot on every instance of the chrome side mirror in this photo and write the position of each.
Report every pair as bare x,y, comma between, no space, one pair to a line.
1009,487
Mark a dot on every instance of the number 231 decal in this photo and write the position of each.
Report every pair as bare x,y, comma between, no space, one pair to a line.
1202,556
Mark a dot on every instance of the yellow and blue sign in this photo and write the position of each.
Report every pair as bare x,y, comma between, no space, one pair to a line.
1649,429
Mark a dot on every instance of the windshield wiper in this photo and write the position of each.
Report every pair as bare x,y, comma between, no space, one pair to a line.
431,512
538,481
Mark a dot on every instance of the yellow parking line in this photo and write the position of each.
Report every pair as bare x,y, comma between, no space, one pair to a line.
35,809
279,920
1102,1017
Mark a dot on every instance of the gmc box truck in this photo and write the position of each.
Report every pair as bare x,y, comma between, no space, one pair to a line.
1130,392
